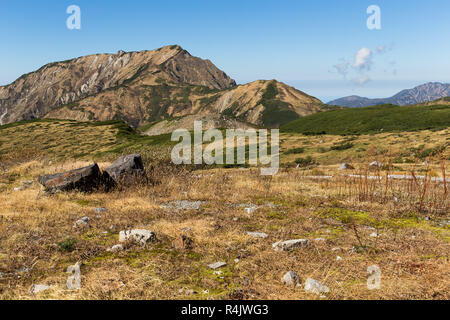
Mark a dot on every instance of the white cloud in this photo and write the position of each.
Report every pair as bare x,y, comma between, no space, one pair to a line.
363,59
342,68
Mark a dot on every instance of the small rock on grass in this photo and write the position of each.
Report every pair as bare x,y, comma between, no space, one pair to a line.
116,248
83,222
316,287
217,265
291,279
142,237
260,235
290,244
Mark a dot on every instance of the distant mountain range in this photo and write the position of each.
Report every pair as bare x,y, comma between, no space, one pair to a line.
423,93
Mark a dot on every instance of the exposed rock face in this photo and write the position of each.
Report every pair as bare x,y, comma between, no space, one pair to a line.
62,83
85,179
126,168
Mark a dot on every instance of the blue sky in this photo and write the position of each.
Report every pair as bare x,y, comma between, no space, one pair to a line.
300,42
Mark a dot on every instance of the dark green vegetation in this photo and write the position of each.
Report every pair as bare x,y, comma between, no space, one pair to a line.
385,118
66,139
295,151
276,112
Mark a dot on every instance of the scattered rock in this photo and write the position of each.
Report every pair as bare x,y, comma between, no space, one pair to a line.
320,239
116,248
187,292
236,260
142,237
126,169
217,265
375,164
339,258
183,205
291,279
260,235
85,179
100,210
82,223
36,288
290,244
373,235
183,243
315,287
346,166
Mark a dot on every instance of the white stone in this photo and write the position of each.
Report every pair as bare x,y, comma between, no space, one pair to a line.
375,164
315,287
140,236
116,248
290,244
339,258
320,239
217,265
260,235
290,279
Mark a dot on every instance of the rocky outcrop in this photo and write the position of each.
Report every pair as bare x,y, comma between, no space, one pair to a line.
85,179
126,169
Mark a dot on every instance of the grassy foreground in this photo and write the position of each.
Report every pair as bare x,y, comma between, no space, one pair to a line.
399,225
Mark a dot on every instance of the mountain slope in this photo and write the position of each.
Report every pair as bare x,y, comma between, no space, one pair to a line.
160,87
424,93
376,119
35,94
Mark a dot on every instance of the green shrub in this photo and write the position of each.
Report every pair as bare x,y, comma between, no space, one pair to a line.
67,245
295,151
304,162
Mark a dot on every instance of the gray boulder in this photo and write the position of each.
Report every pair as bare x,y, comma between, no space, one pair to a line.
85,179
126,169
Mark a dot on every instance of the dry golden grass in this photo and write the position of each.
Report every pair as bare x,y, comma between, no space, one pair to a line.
411,251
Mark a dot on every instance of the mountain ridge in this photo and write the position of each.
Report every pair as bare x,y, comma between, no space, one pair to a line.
144,87
421,94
